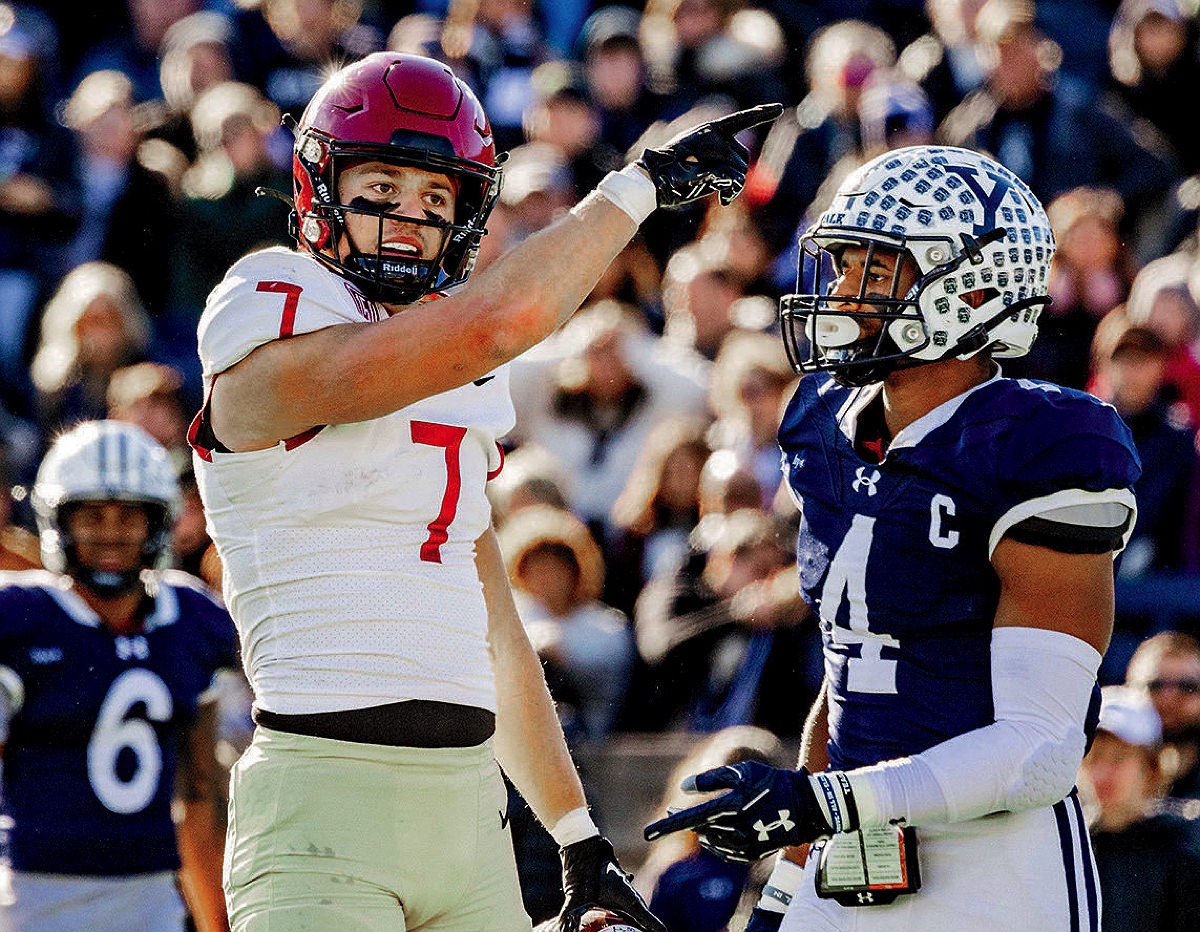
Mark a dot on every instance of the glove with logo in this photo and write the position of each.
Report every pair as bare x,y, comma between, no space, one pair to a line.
765,809
592,878
705,159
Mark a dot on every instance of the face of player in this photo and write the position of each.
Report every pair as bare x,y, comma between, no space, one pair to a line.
880,278
397,189
108,536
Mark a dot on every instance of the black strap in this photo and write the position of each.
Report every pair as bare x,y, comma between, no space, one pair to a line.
415,723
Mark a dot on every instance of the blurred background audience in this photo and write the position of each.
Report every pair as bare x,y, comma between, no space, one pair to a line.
639,507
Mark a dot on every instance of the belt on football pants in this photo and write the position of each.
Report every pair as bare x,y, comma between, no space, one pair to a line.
415,723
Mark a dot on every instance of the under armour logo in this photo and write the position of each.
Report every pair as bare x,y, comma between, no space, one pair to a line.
764,831
865,480
866,897
132,648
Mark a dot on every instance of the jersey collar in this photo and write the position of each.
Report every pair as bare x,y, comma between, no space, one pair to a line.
915,432
166,605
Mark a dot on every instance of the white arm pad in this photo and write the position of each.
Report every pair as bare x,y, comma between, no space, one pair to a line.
1042,685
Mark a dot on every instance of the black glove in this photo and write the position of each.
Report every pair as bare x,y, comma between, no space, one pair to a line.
765,809
764,920
705,159
592,879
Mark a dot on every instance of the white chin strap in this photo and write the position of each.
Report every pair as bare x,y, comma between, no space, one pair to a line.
832,331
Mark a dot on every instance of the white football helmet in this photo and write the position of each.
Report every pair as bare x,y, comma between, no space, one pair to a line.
104,461
981,245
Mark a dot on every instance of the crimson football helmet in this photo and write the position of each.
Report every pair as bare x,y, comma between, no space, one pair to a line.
403,110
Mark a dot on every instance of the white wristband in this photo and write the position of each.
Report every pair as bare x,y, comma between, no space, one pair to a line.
781,886
630,189
575,826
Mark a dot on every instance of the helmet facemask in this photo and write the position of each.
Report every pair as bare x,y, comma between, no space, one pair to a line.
856,337
385,276
111,584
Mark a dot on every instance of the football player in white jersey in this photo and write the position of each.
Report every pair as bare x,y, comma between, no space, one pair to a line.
956,541
355,396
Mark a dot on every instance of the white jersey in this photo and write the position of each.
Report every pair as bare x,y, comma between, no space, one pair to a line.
348,551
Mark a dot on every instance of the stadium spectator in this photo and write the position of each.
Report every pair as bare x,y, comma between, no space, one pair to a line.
92,326
1147,859
196,55
134,50
586,648
1154,58
615,73
700,293
706,48
18,547
284,48
1091,274
1130,367
657,511
747,389
945,62
129,213
805,144
1166,667
221,213
594,394
38,200
531,476
1051,132
150,395
1163,298
562,116
715,663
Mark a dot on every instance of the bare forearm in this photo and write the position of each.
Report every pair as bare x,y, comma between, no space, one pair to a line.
529,741
201,837
814,754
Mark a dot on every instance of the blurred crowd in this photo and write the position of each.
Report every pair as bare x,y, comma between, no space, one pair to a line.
640,507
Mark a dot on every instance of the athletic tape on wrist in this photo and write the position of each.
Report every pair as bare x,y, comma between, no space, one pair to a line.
781,886
575,826
630,189
835,796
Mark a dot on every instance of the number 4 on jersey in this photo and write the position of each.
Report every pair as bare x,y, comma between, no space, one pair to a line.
846,579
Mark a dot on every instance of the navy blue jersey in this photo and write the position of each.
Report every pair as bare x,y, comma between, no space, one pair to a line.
90,760
895,556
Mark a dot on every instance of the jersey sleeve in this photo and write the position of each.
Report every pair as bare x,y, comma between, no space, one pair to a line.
1066,470
268,295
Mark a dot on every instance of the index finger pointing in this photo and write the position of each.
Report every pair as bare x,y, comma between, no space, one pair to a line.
736,122
686,818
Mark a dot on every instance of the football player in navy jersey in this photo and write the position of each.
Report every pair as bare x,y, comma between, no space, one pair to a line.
956,540
105,666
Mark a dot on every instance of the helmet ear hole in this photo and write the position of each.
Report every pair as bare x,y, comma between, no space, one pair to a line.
979,297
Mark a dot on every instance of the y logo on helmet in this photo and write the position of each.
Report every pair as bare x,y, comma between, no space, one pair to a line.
989,200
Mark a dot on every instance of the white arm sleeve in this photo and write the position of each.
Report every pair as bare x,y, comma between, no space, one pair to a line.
1042,684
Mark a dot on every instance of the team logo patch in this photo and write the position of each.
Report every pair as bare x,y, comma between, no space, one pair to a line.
866,480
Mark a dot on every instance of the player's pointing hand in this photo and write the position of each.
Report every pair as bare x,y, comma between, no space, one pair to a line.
705,160
764,810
